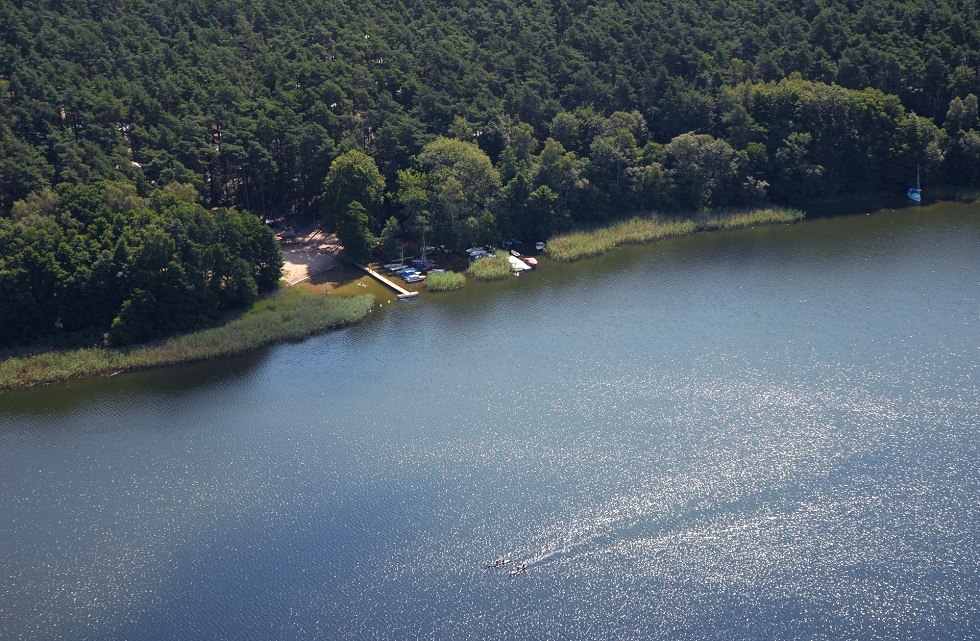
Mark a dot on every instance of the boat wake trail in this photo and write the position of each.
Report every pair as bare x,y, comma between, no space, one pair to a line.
579,541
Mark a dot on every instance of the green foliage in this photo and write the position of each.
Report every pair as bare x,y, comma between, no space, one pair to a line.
542,210
445,281
699,166
446,157
99,258
23,168
964,157
251,104
827,140
478,109
353,177
413,197
460,182
389,238
354,233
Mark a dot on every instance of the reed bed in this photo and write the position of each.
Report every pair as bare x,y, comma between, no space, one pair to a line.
287,315
739,220
444,282
575,246
493,267
584,244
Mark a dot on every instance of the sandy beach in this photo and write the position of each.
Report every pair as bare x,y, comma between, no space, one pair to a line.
310,252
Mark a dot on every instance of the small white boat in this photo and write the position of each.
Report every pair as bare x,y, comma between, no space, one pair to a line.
517,264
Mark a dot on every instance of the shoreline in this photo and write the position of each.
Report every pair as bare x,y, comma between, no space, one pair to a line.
294,312
651,227
289,314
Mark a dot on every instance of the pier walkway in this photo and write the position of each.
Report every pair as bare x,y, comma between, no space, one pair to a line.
402,292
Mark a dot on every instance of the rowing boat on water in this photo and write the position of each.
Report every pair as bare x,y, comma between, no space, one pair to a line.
498,563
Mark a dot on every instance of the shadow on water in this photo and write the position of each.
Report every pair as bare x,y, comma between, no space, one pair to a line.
862,204
58,399
256,567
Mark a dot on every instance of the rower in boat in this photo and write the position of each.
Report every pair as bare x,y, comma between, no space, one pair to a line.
499,562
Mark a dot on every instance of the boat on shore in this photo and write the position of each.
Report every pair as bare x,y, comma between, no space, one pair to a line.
517,264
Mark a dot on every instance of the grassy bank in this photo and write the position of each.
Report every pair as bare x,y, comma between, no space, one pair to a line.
444,282
584,244
493,267
289,314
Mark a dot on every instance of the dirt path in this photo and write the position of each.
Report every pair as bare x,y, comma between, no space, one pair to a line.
310,252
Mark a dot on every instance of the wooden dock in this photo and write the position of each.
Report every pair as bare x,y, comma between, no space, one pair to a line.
402,292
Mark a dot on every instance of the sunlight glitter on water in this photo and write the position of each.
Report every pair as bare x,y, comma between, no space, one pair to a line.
770,501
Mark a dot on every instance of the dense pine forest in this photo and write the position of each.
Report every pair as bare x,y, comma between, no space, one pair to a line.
468,121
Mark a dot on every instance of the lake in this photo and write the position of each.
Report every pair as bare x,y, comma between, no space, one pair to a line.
768,433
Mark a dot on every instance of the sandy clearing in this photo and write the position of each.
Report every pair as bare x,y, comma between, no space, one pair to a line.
312,252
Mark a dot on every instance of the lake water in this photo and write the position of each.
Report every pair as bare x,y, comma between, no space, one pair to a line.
770,433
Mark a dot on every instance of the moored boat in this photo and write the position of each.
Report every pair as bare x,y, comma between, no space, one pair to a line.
915,193
517,264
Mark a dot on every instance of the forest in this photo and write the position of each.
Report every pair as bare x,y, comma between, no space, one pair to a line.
100,258
464,122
